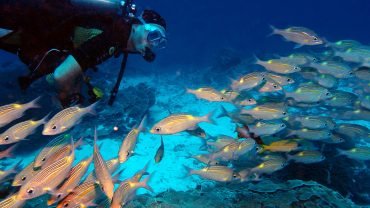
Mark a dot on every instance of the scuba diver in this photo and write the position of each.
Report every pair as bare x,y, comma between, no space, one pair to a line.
64,38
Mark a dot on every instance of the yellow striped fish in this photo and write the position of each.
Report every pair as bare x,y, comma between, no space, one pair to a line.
49,178
11,112
66,119
20,131
268,111
12,202
179,122
129,142
25,175
207,93
127,191
52,147
82,196
112,165
101,170
278,66
248,81
216,173
73,180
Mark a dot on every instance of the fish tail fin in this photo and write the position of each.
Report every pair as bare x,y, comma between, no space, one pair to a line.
33,103
190,91
9,152
188,170
274,31
291,133
340,152
209,117
288,157
142,123
79,142
115,177
223,113
256,60
298,46
145,184
91,108
44,120
17,167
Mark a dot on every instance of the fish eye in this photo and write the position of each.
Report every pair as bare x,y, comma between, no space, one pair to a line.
234,176
66,205
288,80
158,129
329,134
315,38
282,125
54,127
23,178
222,98
263,78
6,138
314,59
327,94
128,154
30,190
43,159
295,68
275,86
59,195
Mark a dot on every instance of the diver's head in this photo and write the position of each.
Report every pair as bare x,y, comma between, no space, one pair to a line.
148,34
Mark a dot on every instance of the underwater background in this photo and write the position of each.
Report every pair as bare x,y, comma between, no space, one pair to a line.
209,45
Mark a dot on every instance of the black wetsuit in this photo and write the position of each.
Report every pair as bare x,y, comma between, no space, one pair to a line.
41,25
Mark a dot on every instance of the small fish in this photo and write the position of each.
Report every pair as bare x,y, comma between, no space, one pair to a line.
353,131
12,201
216,173
230,95
278,66
47,179
336,69
11,112
326,80
357,54
300,35
343,45
129,142
334,139
8,152
25,175
311,134
53,146
112,166
270,86
363,73
267,111
127,191
296,59
309,93
246,102
221,142
269,166
312,122
307,157
341,99
71,182
356,153
179,122
280,79
209,94
248,81
237,116
281,146
160,151
265,129
66,119
205,159
359,114
233,150
198,132
272,157
20,131
82,196
101,170
365,102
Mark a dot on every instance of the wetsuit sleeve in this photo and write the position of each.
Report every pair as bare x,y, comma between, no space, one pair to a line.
94,51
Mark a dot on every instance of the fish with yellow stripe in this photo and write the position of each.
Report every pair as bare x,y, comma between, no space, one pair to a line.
20,131
267,111
129,142
11,112
127,191
50,149
12,201
49,178
25,175
215,173
82,196
66,119
248,81
102,173
208,94
307,157
112,166
72,181
179,122
278,66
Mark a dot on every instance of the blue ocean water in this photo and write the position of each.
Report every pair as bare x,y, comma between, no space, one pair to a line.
210,44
